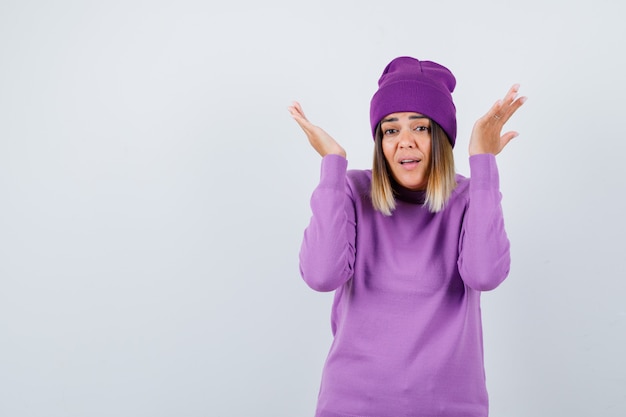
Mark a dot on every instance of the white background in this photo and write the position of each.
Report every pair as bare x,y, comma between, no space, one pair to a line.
154,191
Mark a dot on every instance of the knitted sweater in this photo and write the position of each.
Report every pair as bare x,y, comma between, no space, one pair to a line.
406,314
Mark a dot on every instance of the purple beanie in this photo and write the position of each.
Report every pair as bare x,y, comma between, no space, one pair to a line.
409,85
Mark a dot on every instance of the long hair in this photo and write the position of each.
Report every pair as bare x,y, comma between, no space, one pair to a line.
441,174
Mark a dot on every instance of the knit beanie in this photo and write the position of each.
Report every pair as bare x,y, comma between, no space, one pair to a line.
410,85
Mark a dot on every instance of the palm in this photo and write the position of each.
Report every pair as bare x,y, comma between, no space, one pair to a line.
321,141
487,134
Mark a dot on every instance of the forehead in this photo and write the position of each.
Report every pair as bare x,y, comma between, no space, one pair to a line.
402,116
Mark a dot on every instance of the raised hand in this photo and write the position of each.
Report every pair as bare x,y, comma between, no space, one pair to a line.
487,134
321,141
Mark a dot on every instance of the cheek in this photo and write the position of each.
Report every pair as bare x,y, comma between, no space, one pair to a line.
388,152
426,148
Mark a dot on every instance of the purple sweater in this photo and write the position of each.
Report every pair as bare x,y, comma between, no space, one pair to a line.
406,314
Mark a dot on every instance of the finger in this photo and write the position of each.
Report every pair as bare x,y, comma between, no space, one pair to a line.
508,110
295,108
498,110
504,112
494,112
303,123
497,116
507,137
296,112
512,93
298,107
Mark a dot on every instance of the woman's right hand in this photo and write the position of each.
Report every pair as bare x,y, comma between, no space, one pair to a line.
321,141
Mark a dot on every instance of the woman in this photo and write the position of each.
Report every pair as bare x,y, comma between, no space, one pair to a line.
408,247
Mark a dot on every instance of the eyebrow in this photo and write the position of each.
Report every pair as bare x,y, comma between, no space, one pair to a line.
395,119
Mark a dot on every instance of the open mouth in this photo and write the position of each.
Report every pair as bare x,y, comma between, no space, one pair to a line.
409,161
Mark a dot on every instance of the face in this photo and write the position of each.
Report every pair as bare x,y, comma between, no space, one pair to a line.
406,144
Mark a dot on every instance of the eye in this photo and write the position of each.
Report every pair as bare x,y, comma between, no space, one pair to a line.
422,129
389,132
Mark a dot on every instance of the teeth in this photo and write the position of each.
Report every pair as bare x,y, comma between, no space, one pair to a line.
404,161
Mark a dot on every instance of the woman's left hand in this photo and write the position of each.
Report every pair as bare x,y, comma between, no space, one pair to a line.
487,136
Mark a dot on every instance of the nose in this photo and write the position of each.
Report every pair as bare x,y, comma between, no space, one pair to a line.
406,139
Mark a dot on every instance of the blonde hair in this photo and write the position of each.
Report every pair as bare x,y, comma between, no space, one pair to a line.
441,174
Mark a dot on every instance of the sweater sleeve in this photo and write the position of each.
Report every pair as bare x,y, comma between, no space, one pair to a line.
484,252
328,247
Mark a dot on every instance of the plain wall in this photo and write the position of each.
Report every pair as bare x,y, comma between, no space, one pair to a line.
154,191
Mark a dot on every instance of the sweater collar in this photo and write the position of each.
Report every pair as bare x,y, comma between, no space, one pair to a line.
406,195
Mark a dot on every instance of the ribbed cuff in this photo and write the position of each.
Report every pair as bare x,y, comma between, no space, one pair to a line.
333,171
484,172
